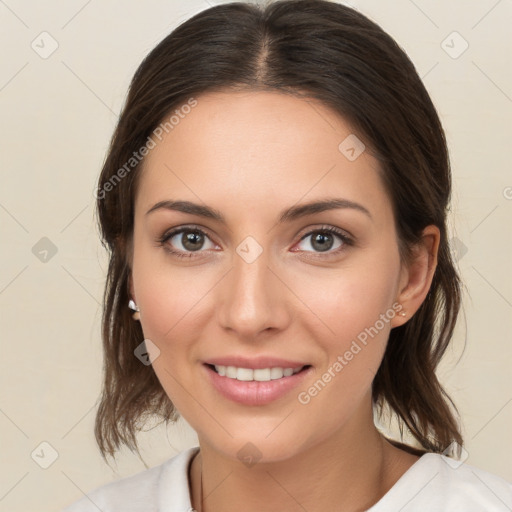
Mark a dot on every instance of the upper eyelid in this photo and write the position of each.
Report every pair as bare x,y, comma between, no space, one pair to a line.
180,229
333,230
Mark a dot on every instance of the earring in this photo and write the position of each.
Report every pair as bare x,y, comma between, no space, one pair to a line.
134,307
402,313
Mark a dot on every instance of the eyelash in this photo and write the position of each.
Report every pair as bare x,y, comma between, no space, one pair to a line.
347,241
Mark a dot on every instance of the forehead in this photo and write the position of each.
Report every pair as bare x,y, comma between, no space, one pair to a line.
261,148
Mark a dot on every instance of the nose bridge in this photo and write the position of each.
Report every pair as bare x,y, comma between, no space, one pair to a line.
252,301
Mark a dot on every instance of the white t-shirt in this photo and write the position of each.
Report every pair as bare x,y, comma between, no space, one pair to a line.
432,484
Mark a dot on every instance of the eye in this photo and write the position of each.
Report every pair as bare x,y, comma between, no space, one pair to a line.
324,240
183,242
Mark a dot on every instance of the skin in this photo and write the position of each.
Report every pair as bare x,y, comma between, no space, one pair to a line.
250,155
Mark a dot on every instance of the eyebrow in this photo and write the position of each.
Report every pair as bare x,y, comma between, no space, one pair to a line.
289,214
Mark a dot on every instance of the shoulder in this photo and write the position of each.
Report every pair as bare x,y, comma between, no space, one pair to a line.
438,483
464,484
146,491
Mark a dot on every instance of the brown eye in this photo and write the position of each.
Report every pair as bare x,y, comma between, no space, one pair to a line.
192,241
322,241
184,241
325,240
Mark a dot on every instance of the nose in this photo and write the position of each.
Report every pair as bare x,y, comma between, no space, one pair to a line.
253,298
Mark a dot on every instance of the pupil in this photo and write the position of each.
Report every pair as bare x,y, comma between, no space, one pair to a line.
324,241
192,241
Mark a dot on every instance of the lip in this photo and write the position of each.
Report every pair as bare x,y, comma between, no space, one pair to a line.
255,362
255,392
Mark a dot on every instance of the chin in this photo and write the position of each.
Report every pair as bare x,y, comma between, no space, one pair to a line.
261,443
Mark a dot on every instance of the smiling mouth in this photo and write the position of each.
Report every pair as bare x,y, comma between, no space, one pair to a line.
259,374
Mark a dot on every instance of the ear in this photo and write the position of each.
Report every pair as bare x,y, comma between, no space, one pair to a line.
130,287
128,249
136,314
416,275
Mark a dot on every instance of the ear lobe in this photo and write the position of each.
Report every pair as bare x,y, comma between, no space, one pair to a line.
418,275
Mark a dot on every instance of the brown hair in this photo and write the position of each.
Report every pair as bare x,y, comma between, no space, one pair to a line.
311,49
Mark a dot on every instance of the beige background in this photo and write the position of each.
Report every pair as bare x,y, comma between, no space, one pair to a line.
58,114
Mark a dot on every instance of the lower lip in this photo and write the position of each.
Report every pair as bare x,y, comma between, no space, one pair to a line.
255,392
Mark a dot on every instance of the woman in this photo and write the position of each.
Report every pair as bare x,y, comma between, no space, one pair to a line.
274,203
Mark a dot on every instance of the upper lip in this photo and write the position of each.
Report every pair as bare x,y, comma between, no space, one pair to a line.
255,362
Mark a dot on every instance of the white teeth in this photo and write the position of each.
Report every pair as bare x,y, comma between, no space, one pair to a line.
276,373
262,374
259,374
231,372
244,374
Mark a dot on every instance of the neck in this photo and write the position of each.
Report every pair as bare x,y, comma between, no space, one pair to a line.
352,469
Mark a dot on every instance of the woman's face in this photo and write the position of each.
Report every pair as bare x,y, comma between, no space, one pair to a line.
254,280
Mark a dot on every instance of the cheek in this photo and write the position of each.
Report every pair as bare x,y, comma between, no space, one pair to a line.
351,322
169,295
170,303
357,310
347,301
